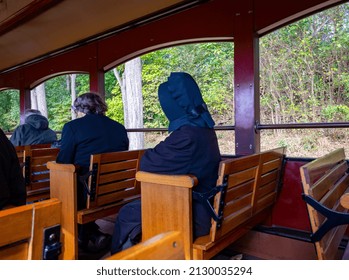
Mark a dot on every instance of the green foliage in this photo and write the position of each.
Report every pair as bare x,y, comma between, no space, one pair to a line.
115,109
211,65
282,143
9,109
304,67
58,97
336,113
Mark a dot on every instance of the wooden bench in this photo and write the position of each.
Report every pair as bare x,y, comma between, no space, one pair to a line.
164,246
326,186
247,188
35,172
20,151
111,185
31,232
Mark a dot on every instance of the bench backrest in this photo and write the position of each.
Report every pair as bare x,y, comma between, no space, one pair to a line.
23,228
164,246
36,173
20,151
111,182
251,187
240,176
113,178
325,180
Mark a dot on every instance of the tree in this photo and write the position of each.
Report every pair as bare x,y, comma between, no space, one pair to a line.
38,99
130,83
73,93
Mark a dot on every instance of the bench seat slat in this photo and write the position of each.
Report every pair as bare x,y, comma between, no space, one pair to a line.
241,177
92,214
268,177
121,156
39,168
267,189
39,186
233,220
270,165
331,199
320,187
116,176
315,169
110,167
238,191
204,248
265,202
42,160
116,196
231,166
236,204
326,180
333,195
117,186
40,177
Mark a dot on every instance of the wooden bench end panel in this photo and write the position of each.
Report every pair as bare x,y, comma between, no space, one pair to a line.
164,246
326,183
167,208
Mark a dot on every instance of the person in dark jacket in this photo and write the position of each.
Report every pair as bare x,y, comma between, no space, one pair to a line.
12,187
35,130
191,148
91,133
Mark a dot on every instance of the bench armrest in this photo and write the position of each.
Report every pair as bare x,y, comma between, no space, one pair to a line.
167,205
186,181
63,185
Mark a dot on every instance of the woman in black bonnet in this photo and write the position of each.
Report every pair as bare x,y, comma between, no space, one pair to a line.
191,148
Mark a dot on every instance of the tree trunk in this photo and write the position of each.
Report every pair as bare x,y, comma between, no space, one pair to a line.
38,99
133,101
73,93
33,99
131,90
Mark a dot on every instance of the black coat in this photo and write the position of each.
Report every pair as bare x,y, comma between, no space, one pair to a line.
188,150
91,134
34,131
12,187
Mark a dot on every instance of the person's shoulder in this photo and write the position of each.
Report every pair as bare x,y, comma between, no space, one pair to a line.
72,124
21,126
116,123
